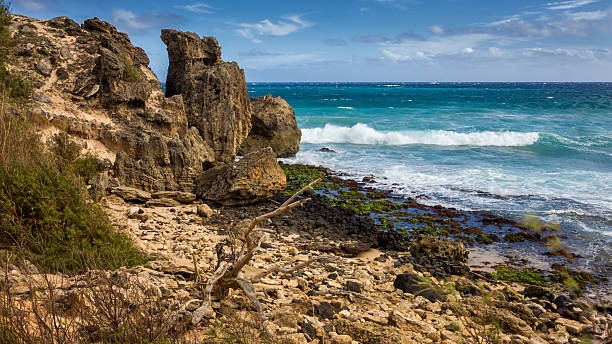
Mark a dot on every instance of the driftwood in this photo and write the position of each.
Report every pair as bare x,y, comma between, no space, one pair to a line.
227,273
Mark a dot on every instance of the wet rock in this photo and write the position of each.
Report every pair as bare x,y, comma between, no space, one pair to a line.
131,194
254,178
327,150
416,285
273,125
214,92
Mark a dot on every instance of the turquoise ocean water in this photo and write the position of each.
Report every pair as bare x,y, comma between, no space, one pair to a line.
507,148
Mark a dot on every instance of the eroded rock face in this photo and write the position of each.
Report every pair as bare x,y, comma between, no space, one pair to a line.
95,85
273,125
256,177
214,91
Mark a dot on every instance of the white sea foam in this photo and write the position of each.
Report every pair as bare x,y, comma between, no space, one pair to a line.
346,107
363,134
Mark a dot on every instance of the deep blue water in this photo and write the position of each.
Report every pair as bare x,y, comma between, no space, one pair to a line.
509,148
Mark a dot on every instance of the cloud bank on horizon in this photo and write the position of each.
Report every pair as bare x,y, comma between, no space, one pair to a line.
374,40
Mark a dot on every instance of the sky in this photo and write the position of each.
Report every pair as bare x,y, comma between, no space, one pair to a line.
372,40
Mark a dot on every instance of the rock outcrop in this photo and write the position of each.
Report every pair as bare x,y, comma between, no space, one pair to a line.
273,125
256,177
214,91
90,81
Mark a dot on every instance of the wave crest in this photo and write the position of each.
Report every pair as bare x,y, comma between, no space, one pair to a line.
362,134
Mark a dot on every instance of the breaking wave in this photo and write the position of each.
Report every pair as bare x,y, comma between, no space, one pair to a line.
362,134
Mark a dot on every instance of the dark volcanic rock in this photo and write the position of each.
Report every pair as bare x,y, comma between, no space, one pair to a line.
214,91
273,125
414,284
254,178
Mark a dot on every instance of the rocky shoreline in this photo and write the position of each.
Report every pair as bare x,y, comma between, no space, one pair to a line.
374,268
365,293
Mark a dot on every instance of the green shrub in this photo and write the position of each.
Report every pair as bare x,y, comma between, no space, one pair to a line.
10,84
132,74
44,211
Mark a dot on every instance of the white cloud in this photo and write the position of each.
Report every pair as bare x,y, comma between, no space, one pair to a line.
593,15
287,25
438,46
198,7
129,20
569,4
437,29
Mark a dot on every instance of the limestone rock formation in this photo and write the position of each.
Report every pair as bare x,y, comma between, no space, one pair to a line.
214,92
439,247
256,177
95,85
273,125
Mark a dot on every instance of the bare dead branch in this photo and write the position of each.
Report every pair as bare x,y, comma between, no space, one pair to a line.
226,275
307,187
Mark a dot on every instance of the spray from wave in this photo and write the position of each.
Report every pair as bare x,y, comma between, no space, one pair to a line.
362,134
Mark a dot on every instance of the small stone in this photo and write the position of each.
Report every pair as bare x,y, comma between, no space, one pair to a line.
42,97
204,210
64,53
204,312
572,326
94,89
44,67
413,284
353,285
325,310
133,211
342,339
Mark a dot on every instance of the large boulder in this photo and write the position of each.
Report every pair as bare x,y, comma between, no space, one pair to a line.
154,162
273,125
438,247
214,92
255,177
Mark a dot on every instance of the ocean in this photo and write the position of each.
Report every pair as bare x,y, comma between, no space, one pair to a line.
510,149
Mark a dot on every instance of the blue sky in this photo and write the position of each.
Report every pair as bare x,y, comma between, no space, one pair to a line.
373,40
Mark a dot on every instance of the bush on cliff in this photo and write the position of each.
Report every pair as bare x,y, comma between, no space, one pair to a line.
10,84
44,211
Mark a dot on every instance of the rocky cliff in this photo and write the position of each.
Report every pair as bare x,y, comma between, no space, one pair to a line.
214,91
274,126
91,82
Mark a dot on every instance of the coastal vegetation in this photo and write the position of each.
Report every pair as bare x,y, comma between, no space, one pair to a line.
46,214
